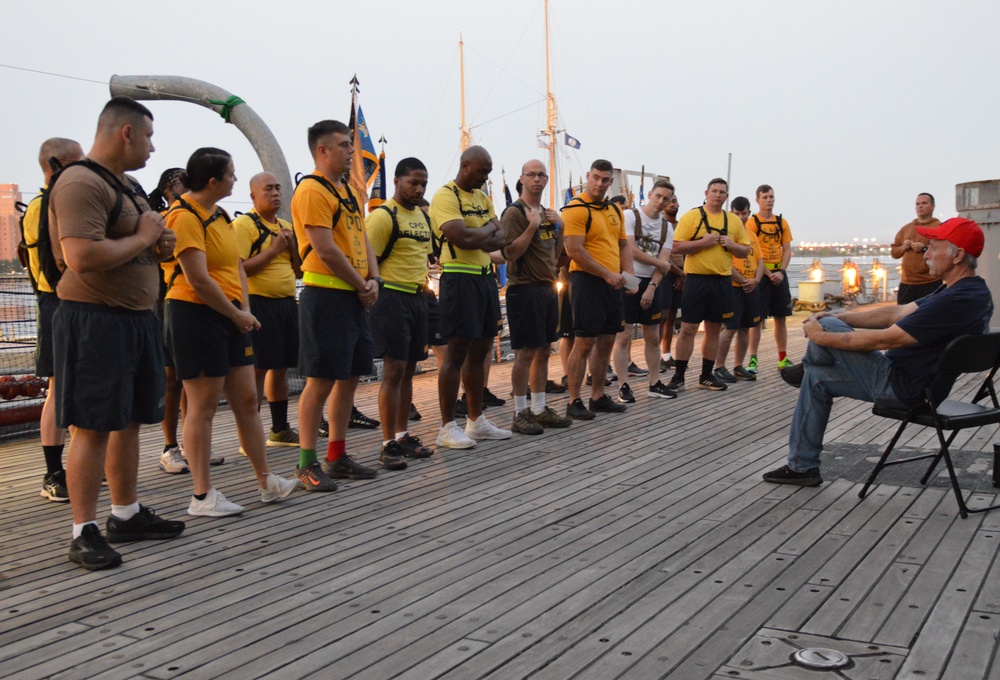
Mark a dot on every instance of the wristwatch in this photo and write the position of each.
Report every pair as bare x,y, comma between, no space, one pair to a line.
378,280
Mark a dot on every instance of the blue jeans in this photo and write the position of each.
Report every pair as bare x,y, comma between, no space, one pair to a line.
832,373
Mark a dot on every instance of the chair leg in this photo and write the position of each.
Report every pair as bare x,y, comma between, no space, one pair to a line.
937,458
881,461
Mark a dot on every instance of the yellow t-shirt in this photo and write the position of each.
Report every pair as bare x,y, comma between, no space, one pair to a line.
474,208
277,279
607,229
771,237
407,262
32,216
747,266
216,239
714,261
314,205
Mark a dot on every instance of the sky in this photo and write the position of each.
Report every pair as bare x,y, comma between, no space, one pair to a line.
848,109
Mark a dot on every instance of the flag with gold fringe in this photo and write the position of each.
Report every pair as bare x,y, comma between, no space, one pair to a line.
379,187
364,162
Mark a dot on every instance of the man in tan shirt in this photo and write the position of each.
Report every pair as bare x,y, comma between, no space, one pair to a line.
915,280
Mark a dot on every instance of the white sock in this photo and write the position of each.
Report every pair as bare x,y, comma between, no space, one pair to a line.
520,403
665,357
400,435
537,402
448,425
78,529
125,512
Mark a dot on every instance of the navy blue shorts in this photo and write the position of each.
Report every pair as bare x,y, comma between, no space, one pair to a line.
597,307
203,342
335,342
746,309
399,325
775,300
45,365
276,344
634,313
707,297
470,306
532,314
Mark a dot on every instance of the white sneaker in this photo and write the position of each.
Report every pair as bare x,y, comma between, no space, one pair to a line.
452,437
172,461
213,458
277,488
214,505
484,429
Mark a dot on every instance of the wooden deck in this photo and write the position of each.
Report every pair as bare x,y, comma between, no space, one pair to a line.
636,546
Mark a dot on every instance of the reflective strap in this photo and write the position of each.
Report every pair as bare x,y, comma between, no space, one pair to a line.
459,268
410,288
772,265
325,281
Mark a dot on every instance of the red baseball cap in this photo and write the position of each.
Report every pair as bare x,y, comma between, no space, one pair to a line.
960,232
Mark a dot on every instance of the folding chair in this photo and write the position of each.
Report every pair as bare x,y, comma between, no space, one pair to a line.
965,354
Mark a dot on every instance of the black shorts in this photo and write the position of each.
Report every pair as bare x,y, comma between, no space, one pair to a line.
434,338
45,365
775,300
746,309
399,325
109,367
634,313
908,292
470,306
565,329
671,297
533,315
597,307
335,342
707,297
276,344
203,342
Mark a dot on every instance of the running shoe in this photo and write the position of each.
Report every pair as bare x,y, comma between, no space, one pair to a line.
605,405
91,551
785,363
484,429
414,448
741,373
723,375
676,384
172,461
278,488
552,387
287,437
490,399
577,411
625,395
346,467
661,391
752,364
54,487
635,372
526,423
451,436
144,525
213,459
391,456
793,374
786,475
214,504
324,428
667,364
312,478
549,418
360,421
414,413
462,407
708,382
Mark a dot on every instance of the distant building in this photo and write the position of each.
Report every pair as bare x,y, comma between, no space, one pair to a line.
10,221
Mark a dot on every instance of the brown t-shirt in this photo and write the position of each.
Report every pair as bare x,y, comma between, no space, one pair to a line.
79,206
538,263
913,269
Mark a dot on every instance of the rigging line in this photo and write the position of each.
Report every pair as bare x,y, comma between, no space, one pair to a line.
511,113
48,73
437,96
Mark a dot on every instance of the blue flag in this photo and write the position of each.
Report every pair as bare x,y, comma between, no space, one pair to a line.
378,187
571,142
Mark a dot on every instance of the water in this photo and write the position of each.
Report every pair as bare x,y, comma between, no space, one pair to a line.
798,269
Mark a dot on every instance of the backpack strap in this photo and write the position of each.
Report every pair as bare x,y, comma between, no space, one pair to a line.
709,228
23,247
262,234
205,223
393,236
637,227
352,204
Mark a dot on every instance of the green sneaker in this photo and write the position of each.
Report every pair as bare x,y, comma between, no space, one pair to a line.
785,363
752,364
287,437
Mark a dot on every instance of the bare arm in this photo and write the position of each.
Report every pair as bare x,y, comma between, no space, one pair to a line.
488,237
625,256
865,340
875,317
579,254
195,267
327,251
517,247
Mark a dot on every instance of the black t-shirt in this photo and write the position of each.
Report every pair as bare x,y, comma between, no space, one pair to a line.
963,308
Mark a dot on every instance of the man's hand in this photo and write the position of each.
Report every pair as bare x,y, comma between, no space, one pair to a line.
552,216
679,283
369,294
777,277
166,244
281,241
725,241
616,281
534,218
647,297
150,227
245,322
750,285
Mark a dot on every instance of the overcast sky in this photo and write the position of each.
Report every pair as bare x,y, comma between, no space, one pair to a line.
849,109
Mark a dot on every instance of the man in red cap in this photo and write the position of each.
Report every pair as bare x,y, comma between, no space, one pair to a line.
843,358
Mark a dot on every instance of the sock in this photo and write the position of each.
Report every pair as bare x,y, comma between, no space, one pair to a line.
537,402
680,368
125,512
386,441
53,457
520,403
335,450
167,447
400,435
78,529
782,355
279,415
201,496
306,457
706,368
666,356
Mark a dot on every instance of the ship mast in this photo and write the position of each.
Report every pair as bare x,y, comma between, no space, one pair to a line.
551,115
466,132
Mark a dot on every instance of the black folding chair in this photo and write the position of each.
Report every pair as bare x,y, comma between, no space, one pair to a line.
965,354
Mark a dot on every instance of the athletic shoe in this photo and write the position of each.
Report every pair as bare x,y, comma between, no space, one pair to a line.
564,381
54,487
752,364
550,419
741,373
346,467
391,456
484,429
278,488
144,525
708,382
666,365
577,411
723,375
661,391
172,461
625,395
552,387
676,384
490,399
612,377
213,459
213,505
216,459
312,478
414,413
91,551
324,428
359,421
590,381
414,448
786,475
606,405
451,436
785,363
793,374
287,437
525,423
635,372
462,407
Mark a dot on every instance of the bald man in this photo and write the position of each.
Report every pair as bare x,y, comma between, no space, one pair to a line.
270,257
54,154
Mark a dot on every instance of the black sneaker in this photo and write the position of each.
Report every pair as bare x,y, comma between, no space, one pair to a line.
54,487
490,399
625,395
462,407
606,405
360,421
391,456
635,372
709,382
346,467
414,413
564,382
91,551
607,381
786,475
676,384
312,478
142,526
793,374
576,410
324,428
552,387
661,391
414,448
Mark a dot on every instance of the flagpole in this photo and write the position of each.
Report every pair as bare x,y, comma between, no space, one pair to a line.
466,132
729,172
551,115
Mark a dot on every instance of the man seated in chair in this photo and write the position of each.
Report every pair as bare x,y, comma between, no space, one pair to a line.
844,357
